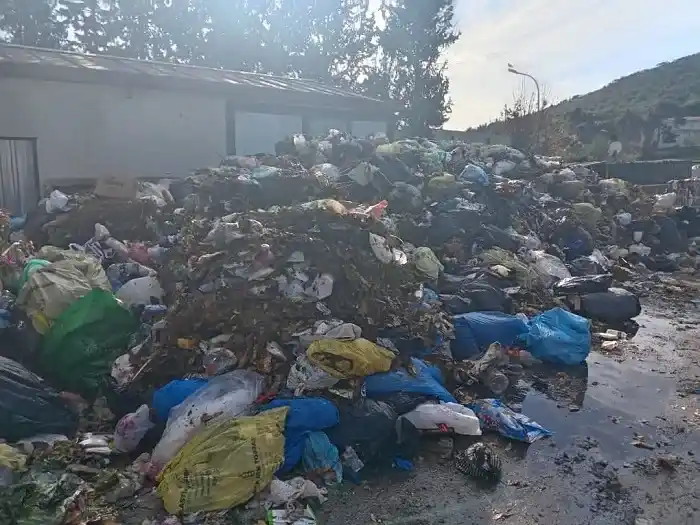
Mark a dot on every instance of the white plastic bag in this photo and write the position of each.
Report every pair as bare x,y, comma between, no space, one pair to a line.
131,428
57,201
287,492
665,201
229,395
304,376
430,416
327,170
550,268
321,287
140,290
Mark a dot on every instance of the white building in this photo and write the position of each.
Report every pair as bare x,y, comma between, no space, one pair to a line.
67,116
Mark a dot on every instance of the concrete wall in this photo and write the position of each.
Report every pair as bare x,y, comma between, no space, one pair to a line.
91,131
362,128
258,132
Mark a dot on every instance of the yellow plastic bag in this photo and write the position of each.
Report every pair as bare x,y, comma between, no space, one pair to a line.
346,359
11,458
224,465
52,289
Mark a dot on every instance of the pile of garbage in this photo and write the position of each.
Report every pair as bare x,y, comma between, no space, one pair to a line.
265,329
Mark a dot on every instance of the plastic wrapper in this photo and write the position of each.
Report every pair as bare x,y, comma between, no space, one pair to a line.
496,416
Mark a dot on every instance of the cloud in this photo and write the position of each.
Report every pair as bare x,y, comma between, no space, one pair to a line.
571,46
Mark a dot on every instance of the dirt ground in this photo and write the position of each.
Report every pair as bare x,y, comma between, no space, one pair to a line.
627,428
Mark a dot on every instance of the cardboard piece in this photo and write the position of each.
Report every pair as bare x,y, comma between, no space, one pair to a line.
117,188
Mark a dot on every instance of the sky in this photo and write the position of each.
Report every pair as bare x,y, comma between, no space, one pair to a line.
572,46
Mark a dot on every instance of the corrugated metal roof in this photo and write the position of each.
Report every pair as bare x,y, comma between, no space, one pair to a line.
31,56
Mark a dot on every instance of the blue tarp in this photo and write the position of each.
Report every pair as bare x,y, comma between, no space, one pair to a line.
306,415
476,331
428,381
559,337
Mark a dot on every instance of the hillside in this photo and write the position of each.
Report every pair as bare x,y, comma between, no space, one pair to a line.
676,84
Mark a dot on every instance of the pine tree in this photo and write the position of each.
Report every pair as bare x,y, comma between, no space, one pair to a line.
40,23
411,66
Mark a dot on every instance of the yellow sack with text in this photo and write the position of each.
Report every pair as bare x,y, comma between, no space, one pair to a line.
348,359
224,465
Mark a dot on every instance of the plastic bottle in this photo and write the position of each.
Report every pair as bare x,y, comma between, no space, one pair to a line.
496,381
352,464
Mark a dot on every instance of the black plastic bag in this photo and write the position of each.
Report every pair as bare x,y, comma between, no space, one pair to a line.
613,306
585,266
29,407
584,285
367,426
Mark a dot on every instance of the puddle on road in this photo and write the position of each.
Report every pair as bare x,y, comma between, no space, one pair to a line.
609,399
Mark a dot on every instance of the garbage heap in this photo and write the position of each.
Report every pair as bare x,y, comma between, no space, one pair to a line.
280,324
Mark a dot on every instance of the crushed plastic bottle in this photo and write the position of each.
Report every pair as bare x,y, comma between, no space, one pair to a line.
352,464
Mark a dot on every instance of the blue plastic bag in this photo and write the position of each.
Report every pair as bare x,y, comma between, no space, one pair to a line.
321,455
476,331
172,394
473,173
306,415
494,415
559,337
428,381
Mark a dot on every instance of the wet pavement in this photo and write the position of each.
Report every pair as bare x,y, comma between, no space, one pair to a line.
626,426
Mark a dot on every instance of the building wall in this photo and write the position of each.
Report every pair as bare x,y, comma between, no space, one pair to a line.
258,132
363,128
91,131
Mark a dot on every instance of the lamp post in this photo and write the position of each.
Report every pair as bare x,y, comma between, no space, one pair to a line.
511,69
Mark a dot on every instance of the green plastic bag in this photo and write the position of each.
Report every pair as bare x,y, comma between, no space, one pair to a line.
84,341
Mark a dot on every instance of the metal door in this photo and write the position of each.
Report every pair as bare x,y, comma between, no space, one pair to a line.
19,174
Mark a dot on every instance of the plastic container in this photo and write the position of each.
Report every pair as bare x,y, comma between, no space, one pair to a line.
496,381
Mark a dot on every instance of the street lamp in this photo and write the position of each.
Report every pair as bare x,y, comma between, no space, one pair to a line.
511,69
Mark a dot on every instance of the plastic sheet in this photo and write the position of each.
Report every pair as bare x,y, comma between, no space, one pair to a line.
494,415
